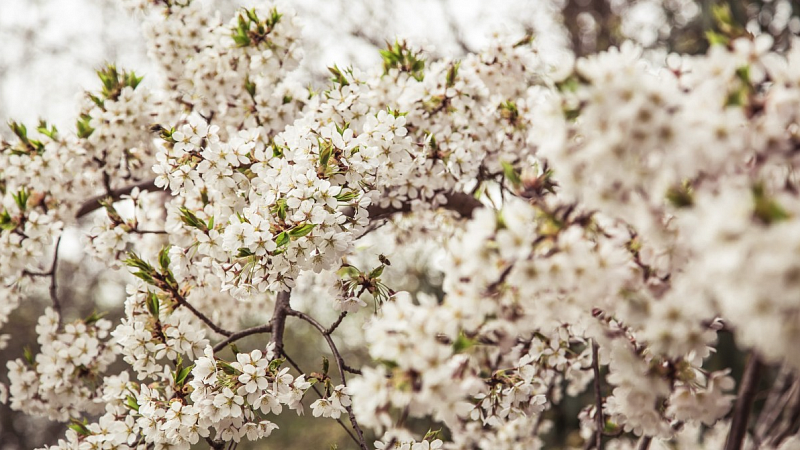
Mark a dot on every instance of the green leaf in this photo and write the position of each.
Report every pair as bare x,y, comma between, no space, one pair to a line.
680,196
94,317
189,218
80,427
227,368
452,73
376,272
338,76
511,174
50,132
325,154
715,38
767,209
132,404
250,87
346,196
244,252
462,343
153,304
5,221
21,199
275,364
84,130
281,239
181,375
163,258
28,355
301,230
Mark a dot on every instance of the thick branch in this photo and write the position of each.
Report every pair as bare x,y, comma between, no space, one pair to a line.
744,403
54,282
278,321
459,202
94,202
242,334
644,443
339,363
462,203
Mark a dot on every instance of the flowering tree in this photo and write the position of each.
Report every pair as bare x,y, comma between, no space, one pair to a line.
594,222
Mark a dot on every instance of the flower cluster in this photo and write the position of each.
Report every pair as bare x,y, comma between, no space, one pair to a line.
60,381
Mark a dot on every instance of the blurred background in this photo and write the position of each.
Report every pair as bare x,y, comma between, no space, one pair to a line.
50,49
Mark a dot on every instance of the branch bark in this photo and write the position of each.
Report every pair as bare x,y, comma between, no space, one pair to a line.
459,202
278,322
242,334
598,398
94,202
744,403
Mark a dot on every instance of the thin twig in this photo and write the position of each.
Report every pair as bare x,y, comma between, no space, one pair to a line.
242,334
644,443
598,398
339,363
316,389
181,300
744,403
779,395
335,324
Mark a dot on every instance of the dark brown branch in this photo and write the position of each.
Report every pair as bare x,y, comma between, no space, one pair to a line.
339,363
459,202
278,321
54,282
150,231
351,369
94,202
744,403
181,300
242,334
598,398
644,443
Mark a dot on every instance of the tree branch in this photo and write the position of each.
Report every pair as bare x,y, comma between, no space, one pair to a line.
94,202
52,273
54,282
181,300
316,389
339,363
278,321
242,334
744,403
335,324
459,202
598,398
